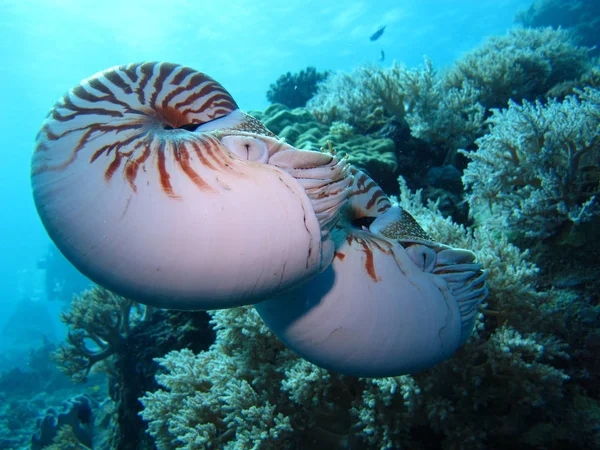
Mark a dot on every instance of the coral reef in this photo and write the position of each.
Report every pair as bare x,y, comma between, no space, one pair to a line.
366,97
99,325
536,176
225,397
294,90
528,378
579,16
523,64
448,111
35,386
447,117
17,419
513,384
120,337
375,154
66,439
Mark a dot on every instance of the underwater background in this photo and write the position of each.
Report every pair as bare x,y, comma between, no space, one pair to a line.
480,117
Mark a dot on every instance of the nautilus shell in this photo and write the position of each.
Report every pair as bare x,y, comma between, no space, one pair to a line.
154,184
393,302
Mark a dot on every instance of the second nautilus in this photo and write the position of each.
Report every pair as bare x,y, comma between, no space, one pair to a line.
154,184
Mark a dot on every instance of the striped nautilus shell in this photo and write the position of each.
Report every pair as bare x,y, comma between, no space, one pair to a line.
393,301
154,184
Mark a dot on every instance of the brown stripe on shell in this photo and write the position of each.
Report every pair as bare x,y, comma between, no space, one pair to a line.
147,70
182,74
182,156
377,195
131,71
368,245
132,165
198,148
164,177
76,111
115,78
113,166
339,255
215,96
364,184
164,71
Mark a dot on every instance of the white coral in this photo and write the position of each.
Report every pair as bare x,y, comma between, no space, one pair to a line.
531,172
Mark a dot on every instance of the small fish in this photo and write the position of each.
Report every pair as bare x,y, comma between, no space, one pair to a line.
382,57
377,34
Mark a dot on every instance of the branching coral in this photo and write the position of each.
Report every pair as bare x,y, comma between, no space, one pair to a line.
523,64
511,379
447,117
448,111
580,16
120,337
224,397
99,323
537,169
364,98
295,90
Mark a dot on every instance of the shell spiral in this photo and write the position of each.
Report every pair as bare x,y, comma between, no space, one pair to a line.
154,184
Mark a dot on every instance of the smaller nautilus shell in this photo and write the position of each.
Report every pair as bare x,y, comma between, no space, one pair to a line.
154,184
392,302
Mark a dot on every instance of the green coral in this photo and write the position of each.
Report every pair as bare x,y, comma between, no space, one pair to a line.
376,156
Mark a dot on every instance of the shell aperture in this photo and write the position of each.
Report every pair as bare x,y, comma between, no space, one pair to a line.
154,184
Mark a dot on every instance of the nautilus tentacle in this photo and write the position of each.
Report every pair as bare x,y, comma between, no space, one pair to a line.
154,184
393,301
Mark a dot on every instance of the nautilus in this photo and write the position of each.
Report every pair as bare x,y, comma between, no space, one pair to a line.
154,184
